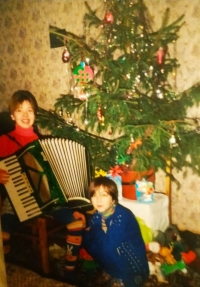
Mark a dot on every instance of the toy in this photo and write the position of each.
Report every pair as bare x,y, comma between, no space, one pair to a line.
177,249
155,260
56,251
153,247
166,253
188,257
154,257
169,236
155,269
179,265
87,260
159,236
172,234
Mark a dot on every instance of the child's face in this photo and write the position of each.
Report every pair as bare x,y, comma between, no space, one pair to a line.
24,115
101,200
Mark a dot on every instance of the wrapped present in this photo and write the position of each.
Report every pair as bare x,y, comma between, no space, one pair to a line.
118,180
115,175
129,178
144,191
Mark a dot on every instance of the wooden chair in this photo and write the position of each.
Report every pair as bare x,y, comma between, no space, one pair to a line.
39,231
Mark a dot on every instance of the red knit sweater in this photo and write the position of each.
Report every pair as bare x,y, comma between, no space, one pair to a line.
22,137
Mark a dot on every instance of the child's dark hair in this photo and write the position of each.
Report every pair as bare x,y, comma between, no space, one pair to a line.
19,97
109,185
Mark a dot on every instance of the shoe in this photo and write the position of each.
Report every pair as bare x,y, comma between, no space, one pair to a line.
6,249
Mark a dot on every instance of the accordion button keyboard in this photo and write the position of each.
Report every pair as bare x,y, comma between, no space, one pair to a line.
24,203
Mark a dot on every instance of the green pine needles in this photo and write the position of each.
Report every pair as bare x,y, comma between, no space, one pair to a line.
123,105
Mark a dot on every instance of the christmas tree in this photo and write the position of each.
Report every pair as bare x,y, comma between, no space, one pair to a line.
123,105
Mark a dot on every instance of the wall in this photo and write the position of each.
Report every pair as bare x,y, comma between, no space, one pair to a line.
27,62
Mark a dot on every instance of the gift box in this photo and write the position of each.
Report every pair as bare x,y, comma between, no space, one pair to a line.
118,180
129,179
144,191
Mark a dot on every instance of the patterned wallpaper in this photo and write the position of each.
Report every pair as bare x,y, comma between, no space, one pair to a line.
27,62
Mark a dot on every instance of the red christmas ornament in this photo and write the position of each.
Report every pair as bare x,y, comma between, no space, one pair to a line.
109,19
110,132
160,56
100,116
65,56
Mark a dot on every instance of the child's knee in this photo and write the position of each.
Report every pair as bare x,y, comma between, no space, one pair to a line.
5,236
6,243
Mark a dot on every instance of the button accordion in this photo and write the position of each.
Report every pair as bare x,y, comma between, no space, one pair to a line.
46,173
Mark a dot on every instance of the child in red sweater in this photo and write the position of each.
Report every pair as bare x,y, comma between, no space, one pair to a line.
23,109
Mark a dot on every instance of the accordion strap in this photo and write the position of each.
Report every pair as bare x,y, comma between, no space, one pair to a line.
2,187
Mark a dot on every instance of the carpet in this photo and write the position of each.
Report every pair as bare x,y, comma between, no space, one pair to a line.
23,269
18,276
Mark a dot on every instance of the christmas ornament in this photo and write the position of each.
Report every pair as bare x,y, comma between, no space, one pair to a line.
122,159
65,56
60,111
83,95
133,145
79,92
86,122
100,116
159,93
109,19
148,131
160,56
129,150
69,118
83,73
172,141
99,173
110,132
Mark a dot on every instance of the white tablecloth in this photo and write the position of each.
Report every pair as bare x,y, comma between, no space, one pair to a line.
155,214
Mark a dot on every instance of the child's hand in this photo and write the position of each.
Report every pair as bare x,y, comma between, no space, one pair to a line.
79,215
4,176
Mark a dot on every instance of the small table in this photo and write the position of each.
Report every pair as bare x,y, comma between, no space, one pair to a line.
155,214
